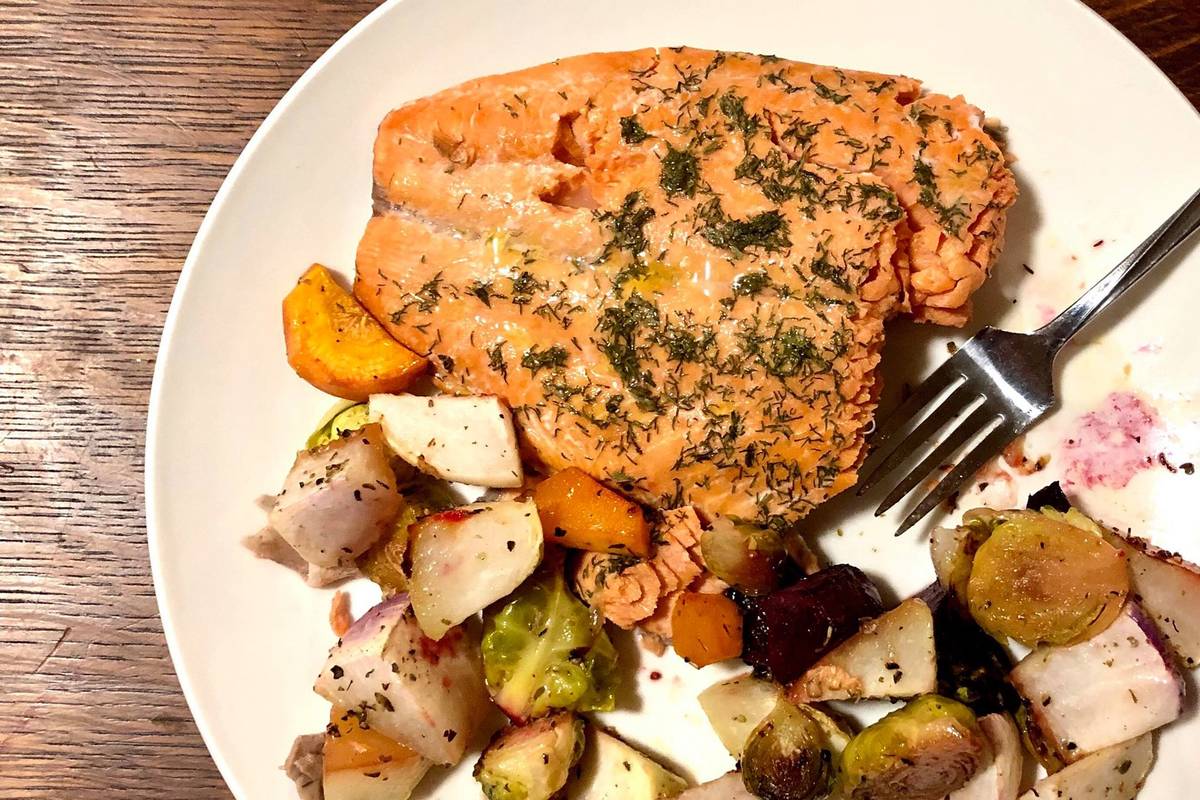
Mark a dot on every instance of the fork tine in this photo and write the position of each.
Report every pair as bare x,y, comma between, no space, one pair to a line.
957,437
966,468
929,389
875,468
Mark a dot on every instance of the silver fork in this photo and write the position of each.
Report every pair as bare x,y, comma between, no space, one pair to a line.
997,386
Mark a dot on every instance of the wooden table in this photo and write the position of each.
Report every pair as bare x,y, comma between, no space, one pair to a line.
118,121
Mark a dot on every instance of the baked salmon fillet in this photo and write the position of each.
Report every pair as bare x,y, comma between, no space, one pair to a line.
675,265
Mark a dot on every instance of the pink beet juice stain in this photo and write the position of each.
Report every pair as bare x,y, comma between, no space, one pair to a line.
1112,444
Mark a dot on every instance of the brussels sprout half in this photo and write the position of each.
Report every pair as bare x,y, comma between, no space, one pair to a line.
544,650
924,751
746,557
792,754
531,762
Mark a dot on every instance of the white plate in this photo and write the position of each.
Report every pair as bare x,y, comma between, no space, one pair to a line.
1107,149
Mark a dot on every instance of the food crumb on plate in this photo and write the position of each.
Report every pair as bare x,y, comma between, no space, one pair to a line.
340,618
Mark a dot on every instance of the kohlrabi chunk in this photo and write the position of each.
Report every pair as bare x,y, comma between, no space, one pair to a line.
1001,778
735,707
338,499
465,559
1168,590
890,656
727,787
531,761
428,696
613,770
466,439
1109,689
1114,773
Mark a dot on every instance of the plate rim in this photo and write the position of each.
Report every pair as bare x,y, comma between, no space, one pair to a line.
154,526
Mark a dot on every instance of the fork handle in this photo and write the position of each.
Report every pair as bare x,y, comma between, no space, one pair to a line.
1144,258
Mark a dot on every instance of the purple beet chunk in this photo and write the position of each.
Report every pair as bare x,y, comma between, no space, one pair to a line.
1051,496
788,631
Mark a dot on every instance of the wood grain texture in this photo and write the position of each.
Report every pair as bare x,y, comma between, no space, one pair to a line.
118,122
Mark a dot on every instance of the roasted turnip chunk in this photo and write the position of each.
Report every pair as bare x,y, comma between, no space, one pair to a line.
1115,773
1001,778
890,656
1168,588
727,787
467,439
1113,687
338,499
428,696
736,707
464,559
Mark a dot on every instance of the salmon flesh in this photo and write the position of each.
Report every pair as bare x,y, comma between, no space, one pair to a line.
675,265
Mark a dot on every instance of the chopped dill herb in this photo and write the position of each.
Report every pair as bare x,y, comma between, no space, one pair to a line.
734,108
496,360
826,93
425,299
801,132
627,226
923,117
524,285
482,290
881,87
618,328
558,388
981,153
683,345
680,173
552,357
822,267
632,131
621,477
766,230
780,80
780,178
792,352
951,217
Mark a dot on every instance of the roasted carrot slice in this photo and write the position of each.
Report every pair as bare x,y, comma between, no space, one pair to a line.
578,511
706,628
334,344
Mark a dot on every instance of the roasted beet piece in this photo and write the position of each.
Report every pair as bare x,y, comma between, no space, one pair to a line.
786,632
1051,496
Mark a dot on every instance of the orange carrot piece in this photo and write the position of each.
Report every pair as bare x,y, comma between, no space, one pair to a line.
334,344
578,511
